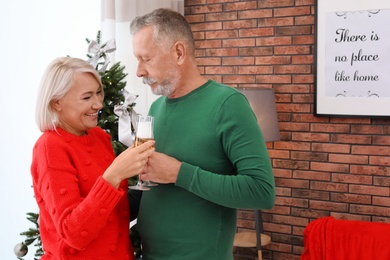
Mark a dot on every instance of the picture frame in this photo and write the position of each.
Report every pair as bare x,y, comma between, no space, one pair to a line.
352,58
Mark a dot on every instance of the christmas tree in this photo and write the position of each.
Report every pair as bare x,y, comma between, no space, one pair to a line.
114,88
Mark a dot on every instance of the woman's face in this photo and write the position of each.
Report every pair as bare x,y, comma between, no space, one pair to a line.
78,109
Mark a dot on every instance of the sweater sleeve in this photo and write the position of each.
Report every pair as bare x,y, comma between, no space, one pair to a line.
253,185
76,217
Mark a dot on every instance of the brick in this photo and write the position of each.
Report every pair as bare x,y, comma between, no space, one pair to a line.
297,79
329,205
198,36
205,9
302,117
309,156
292,30
283,238
238,61
218,1
225,16
303,39
274,154
209,61
284,192
293,11
302,59
370,170
351,198
346,158
274,3
330,128
309,213
380,160
272,60
347,216
368,129
331,148
237,79
329,186
279,209
255,51
292,69
198,18
351,139
285,21
382,181
294,202
195,2
291,183
292,50
277,228
273,79
255,70
298,146
304,20
284,256
350,178
339,120
223,34
256,32
289,220
219,52
370,150
244,5
329,167
273,41
312,175
297,108
238,42
221,70
208,44
381,201
369,190
381,140
304,2
370,210
256,13
209,26
310,194
303,98
241,24
380,219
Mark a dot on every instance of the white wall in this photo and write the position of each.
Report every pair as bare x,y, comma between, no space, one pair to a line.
32,34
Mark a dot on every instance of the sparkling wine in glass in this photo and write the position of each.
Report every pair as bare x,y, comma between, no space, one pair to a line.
144,133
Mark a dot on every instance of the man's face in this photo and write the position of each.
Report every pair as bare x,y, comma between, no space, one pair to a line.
155,64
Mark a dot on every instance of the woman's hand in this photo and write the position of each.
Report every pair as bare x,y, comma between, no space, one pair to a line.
129,163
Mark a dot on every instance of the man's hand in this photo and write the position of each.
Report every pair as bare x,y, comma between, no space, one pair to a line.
161,168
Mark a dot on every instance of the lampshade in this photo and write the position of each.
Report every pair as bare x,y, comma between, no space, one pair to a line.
262,101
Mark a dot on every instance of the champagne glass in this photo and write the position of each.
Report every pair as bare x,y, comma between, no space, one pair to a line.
144,133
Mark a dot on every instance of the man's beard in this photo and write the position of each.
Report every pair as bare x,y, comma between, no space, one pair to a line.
164,88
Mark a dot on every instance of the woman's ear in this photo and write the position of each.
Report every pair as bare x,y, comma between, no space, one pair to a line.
56,105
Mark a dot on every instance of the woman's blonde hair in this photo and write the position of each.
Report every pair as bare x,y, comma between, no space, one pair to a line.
56,82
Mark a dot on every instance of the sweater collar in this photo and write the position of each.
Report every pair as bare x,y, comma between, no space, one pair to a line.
86,139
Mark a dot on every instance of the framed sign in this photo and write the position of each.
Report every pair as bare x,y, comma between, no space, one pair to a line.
352,54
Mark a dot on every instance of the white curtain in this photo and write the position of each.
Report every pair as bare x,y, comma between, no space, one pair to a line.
116,18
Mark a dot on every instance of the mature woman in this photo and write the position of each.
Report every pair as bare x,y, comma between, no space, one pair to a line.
78,183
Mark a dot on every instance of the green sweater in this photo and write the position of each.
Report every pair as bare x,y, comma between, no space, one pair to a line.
225,166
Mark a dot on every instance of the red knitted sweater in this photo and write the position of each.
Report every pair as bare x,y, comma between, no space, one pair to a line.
81,215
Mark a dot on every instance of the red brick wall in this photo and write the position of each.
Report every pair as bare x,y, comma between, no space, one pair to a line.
323,165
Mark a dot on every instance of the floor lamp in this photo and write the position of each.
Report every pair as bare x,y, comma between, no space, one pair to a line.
262,101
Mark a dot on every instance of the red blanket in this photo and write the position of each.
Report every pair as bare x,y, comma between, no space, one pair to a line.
331,239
